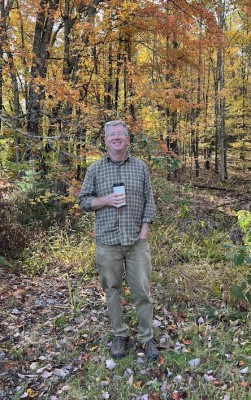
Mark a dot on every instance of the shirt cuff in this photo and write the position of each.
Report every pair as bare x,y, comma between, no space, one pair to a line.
147,220
86,205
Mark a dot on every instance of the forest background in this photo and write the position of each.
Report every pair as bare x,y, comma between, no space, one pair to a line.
178,73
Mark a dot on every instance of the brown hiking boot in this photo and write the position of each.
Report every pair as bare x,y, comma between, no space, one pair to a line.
150,350
118,346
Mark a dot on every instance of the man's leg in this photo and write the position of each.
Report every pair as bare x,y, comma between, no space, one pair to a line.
109,260
138,272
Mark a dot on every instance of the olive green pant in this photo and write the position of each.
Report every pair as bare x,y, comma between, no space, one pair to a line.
135,261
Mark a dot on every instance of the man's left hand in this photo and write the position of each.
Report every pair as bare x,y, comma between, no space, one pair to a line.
144,231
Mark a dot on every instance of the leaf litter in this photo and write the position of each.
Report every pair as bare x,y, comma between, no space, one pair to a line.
43,346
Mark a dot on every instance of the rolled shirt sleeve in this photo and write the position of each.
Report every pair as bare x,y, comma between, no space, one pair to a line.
88,192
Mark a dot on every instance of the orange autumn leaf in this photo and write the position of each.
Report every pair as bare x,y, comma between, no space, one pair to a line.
94,348
172,327
160,361
137,385
32,393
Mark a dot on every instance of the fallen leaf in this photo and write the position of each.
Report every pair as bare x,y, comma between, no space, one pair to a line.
62,373
244,370
33,366
156,323
209,378
168,373
145,397
104,383
160,361
127,292
46,374
41,370
186,341
163,342
244,384
200,321
65,388
32,393
94,348
194,363
172,327
85,357
128,372
137,385
178,378
110,364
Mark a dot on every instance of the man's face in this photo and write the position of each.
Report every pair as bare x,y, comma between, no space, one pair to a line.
116,138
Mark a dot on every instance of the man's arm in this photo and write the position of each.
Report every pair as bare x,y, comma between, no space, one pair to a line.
144,231
112,200
88,199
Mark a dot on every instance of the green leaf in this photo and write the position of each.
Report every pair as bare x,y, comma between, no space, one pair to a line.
240,257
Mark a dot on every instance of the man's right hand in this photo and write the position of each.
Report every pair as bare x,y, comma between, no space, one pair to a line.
112,200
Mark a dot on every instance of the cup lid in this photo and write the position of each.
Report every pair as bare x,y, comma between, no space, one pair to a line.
118,184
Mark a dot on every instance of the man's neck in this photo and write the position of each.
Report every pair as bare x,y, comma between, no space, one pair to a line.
117,156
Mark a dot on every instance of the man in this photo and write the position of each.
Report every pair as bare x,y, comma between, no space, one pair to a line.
121,234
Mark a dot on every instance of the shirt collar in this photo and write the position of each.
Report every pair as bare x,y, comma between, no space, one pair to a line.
127,158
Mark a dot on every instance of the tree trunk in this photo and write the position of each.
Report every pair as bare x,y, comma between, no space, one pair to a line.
16,101
41,42
118,69
108,81
5,7
222,98
2,41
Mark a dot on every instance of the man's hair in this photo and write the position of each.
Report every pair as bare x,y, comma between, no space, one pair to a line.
115,123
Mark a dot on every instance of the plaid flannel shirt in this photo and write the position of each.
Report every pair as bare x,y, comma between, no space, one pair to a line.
119,225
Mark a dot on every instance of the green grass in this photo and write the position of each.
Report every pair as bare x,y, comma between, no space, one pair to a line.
192,279
93,380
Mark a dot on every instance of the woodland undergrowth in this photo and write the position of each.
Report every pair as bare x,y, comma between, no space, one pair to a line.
55,335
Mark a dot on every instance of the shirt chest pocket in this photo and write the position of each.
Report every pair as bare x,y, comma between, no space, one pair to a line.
135,185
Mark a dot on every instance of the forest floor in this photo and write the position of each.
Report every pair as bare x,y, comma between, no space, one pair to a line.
55,336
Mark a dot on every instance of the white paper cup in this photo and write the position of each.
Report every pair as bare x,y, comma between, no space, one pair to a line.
120,189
